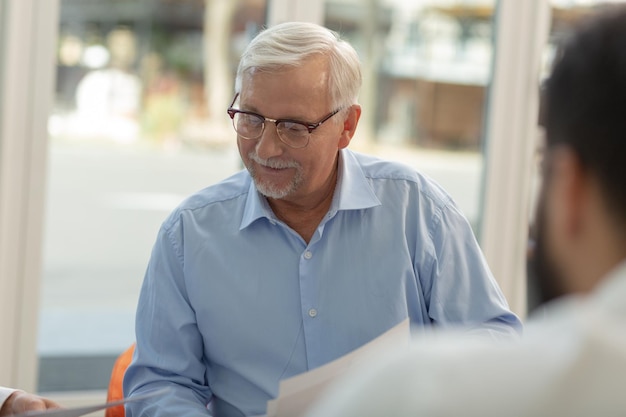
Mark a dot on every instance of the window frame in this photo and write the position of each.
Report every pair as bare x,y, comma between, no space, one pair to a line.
27,86
511,132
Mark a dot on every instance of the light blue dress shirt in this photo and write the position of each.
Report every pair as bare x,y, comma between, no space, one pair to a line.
234,300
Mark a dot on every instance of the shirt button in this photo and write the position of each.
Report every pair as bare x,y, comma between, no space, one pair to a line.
308,254
312,312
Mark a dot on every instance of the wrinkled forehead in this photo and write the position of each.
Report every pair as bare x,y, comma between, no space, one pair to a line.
307,84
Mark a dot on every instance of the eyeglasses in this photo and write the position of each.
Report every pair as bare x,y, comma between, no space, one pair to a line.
293,133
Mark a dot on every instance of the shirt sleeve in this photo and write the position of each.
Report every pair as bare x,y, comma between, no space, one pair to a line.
4,394
169,348
463,291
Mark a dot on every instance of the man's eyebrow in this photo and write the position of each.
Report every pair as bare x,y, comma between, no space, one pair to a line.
253,109
247,108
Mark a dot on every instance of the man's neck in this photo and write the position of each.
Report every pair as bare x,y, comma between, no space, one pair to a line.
304,216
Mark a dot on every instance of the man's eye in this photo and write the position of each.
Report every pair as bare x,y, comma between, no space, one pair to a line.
251,120
294,128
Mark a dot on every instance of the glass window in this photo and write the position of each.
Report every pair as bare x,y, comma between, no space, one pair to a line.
139,123
426,72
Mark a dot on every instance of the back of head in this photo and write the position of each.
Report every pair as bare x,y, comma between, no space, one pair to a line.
586,104
291,44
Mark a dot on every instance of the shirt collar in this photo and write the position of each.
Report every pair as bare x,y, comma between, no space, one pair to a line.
353,192
256,207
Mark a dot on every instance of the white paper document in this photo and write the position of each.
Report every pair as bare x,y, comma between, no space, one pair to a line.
297,394
80,411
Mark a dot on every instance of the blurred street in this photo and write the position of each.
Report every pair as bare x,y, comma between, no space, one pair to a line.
104,208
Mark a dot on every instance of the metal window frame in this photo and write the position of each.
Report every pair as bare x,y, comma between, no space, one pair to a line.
512,131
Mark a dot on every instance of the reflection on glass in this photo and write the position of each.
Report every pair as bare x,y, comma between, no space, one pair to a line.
139,123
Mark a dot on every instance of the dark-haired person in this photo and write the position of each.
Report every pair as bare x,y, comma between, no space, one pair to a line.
309,253
571,361
14,401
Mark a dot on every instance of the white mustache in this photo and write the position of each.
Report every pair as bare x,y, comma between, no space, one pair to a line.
273,163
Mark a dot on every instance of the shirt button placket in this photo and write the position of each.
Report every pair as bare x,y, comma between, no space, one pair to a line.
308,255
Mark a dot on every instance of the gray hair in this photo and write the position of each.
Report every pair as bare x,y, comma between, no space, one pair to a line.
290,44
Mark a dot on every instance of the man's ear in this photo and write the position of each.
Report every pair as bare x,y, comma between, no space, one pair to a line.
570,190
349,125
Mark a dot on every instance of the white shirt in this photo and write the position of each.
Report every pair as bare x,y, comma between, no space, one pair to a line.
571,362
4,394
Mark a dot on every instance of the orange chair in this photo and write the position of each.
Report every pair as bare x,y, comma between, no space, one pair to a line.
115,391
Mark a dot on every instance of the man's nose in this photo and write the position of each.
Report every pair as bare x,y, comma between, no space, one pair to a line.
269,144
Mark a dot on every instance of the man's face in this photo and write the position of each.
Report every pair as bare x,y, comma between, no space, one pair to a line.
281,172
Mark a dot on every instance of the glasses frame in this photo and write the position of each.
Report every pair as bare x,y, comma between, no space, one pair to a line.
232,112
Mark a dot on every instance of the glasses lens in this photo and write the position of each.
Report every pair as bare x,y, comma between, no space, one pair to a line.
293,134
248,126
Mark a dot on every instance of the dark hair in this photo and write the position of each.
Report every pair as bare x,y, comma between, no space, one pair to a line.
586,103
